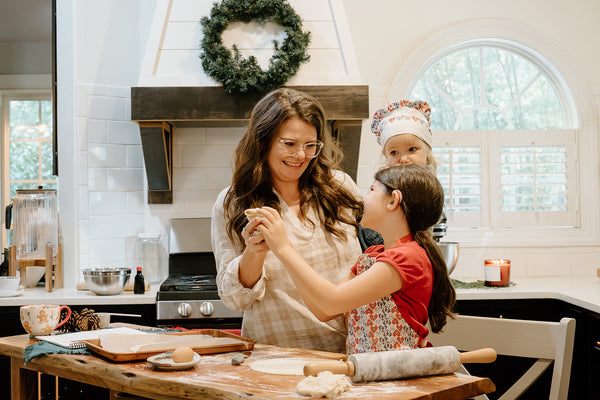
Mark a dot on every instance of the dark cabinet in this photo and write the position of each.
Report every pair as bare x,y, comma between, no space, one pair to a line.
67,390
585,369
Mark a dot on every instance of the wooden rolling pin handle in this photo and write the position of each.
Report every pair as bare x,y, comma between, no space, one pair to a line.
486,355
337,367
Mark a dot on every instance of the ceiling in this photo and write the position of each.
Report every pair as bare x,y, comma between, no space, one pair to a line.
25,21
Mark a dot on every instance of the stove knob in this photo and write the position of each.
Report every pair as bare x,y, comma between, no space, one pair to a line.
207,308
184,309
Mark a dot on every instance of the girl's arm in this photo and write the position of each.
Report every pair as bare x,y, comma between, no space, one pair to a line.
323,298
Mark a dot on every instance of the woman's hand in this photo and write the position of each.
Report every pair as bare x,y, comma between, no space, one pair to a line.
254,240
272,229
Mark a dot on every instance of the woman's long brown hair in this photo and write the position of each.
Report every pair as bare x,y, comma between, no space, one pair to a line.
422,203
252,184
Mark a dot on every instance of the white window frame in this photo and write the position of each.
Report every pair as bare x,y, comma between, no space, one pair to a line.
579,116
490,143
566,138
471,138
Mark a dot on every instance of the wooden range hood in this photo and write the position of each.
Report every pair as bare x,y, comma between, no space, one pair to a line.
159,110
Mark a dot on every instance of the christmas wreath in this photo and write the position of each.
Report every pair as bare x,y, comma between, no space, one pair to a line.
240,74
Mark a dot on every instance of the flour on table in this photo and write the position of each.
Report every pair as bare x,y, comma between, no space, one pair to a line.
325,384
280,366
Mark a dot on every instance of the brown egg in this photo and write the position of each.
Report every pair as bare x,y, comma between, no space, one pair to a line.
183,354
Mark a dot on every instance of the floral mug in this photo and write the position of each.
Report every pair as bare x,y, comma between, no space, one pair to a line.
42,319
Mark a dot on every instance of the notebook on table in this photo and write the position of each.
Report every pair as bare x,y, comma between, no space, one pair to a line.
76,340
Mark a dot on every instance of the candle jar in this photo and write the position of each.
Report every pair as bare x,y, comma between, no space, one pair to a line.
497,272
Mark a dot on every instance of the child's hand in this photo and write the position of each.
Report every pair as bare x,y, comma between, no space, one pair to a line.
273,229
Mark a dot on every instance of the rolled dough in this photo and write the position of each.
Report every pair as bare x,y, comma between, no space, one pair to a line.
325,384
280,366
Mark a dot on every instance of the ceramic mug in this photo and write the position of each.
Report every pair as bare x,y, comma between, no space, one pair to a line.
42,319
104,319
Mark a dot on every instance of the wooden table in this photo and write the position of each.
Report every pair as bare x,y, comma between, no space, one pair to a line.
215,378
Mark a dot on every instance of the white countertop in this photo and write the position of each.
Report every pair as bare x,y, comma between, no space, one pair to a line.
580,291
78,297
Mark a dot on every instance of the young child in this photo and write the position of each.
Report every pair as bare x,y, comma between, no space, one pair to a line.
394,288
403,130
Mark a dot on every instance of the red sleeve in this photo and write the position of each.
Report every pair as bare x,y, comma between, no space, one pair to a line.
414,267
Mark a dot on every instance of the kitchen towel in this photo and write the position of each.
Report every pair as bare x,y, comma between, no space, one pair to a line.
42,347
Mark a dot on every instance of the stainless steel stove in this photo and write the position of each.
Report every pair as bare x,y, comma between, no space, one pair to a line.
189,296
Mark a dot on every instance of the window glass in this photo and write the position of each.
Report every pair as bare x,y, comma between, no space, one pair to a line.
478,95
488,88
29,145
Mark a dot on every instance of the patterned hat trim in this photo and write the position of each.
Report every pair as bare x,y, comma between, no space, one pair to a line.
403,117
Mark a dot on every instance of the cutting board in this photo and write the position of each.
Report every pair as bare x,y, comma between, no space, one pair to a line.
246,344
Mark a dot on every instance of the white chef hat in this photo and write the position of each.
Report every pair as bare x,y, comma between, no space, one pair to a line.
402,117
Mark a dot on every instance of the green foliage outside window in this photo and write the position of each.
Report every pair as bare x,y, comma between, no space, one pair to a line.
489,88
30,145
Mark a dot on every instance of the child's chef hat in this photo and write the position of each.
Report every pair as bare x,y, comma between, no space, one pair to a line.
400,117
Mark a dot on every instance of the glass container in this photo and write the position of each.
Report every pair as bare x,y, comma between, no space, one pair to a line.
35,223
148,257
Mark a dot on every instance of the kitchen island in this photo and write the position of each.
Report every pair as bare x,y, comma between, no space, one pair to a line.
215,377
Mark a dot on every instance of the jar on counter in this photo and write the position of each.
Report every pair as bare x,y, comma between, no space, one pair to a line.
497,272
148,256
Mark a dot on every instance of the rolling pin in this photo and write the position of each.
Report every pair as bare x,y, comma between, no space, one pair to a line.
399,364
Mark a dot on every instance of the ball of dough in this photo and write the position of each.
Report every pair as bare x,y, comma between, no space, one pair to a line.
251,213
183,354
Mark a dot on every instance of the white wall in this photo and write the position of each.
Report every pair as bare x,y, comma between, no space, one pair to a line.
26,58
102,181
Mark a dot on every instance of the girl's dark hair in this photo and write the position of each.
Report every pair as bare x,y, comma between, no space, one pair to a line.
252,184
422,203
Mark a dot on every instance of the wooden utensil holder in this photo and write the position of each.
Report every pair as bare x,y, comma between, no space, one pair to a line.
53,266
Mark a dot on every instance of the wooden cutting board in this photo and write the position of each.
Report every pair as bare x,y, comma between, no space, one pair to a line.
246,344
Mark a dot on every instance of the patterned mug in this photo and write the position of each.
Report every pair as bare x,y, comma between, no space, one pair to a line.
42,319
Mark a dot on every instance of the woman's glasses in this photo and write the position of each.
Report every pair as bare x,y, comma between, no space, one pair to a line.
291,148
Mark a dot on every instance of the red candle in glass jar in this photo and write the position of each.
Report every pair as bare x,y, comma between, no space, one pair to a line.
497,272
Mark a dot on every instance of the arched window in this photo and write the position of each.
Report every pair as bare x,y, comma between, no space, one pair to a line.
503,136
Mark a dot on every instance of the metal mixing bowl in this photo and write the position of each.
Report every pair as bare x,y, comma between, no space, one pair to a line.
450,253
106,281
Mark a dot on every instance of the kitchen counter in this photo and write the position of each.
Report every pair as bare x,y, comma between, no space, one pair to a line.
78,297
580,291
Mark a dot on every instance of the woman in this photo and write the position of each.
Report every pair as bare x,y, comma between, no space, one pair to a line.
286,160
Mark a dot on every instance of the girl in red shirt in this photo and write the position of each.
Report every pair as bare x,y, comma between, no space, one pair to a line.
394,288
